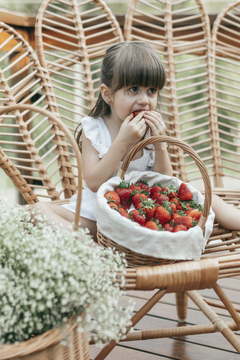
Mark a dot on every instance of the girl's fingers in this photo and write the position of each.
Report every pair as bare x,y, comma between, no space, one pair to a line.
156,128
156,118
134,119
139,117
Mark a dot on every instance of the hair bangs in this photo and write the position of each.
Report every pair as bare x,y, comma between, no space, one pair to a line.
139,67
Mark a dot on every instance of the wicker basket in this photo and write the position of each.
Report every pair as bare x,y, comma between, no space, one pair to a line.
135,259
48,346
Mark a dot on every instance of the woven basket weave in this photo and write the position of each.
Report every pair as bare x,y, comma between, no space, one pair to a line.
48,346
135,259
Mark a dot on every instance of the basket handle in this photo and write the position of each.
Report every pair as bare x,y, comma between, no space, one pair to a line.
188,149
56,120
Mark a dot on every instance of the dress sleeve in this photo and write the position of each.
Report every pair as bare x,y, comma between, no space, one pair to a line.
95,130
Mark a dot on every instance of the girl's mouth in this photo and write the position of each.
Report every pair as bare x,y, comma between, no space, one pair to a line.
135,113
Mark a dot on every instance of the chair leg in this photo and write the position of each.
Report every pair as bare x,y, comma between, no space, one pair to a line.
135,319
215,319
181,304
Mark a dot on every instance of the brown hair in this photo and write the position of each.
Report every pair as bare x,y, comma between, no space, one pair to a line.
126,64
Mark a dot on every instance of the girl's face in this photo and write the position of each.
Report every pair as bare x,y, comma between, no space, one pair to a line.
134,98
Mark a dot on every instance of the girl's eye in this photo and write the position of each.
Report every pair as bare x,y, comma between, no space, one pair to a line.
152,91
134,89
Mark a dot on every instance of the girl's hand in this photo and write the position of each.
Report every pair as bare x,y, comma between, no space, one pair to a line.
157,126
132,129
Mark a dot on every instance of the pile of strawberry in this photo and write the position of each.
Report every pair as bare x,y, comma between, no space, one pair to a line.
158,207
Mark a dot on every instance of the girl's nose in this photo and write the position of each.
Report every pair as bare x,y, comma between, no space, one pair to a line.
143,98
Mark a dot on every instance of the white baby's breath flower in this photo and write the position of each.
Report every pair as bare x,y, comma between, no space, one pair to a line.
49,274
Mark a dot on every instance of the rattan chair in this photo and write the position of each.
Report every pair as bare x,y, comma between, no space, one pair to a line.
201,71
71,39
61,66
35,154
225,62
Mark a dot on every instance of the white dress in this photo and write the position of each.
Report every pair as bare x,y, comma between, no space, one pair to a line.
97,132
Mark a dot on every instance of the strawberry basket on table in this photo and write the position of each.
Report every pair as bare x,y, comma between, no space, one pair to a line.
142,245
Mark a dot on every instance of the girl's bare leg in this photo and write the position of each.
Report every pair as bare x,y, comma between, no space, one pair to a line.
226,215
63,216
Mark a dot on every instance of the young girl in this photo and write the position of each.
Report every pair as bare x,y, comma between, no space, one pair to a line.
131,77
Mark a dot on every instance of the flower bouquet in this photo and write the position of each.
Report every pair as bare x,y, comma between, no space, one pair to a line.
56,285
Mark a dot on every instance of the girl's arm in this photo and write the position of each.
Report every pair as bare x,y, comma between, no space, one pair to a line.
158,127
95,170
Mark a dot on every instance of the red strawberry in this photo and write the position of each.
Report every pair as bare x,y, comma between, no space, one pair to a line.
195,214
137,199
148,208
144,185
173,207
126,205
151,225
112,205
187,212
184,193
162,215
184,220
168,227
124,213
164,190
160,198
135,187
173,194
137,217
135,113
177,203
112,196
124,191
155,190
179,228
174,216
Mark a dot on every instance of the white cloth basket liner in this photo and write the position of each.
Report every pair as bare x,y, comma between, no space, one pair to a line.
183,245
